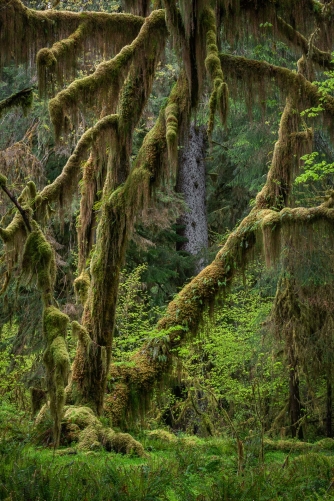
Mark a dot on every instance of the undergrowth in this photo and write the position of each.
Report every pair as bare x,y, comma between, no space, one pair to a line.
185,468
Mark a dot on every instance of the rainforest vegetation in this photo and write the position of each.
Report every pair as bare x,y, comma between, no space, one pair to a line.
166,250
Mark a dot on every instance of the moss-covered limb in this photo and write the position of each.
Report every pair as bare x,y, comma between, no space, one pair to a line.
240,69
60,60
67,182
106,35
23,212
219,96
317,56
105,82
25,31
243,17
177,117
22,98
15,227
290,146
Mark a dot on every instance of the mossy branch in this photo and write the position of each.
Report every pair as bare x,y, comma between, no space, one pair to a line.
319,57
220,96
23,212
22,98
64,185
241,69
25,31
108,76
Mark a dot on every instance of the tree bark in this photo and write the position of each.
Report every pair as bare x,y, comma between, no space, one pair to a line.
191,182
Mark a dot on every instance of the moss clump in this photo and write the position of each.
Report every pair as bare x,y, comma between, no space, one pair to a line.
81,416
89,439
91,435
163,435
124,443
81,287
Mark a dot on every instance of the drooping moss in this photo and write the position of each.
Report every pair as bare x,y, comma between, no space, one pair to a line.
67,182
257,73
38,258
22,98
96,88
104,33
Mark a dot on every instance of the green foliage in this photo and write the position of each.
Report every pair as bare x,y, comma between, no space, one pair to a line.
187,469
314,170
134,317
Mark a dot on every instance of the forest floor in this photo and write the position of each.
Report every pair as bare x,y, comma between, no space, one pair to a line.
183,468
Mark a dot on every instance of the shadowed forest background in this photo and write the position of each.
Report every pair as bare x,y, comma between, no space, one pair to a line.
167,299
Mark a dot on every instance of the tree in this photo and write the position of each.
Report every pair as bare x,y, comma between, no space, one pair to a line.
116,92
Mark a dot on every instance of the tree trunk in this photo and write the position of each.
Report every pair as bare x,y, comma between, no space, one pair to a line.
191,182
294,400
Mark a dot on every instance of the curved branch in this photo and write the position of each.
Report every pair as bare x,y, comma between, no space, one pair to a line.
253,71
64,185
17,205
321,58
107,78
24,31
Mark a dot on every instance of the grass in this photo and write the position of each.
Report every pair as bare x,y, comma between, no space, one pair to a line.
187,469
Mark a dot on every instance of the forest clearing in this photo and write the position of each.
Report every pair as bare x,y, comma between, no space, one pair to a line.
166,250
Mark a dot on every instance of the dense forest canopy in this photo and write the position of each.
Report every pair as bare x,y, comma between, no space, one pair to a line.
124,141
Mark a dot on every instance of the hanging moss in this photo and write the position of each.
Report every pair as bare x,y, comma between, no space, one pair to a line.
66,183
260,74
38,258
103,34
22,98
95,89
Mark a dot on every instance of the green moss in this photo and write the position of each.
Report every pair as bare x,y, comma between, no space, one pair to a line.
81,416
81,286
81,334
38,258
3,180
23,98
163,435
219,96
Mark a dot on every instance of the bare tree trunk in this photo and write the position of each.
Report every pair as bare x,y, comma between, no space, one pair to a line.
191,182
